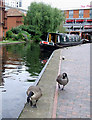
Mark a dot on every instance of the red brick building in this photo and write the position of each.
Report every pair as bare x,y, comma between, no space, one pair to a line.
3,18
14,18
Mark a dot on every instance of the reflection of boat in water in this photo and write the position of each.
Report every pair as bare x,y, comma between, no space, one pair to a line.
44,61
59,40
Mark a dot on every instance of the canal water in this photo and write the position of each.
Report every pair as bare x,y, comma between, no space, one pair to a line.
20,65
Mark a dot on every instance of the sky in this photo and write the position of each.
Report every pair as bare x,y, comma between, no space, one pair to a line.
61,4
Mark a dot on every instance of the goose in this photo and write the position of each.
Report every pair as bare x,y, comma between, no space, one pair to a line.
33,93
62,80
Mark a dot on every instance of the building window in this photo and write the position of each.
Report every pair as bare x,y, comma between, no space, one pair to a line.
90,13
70,13
20,5
81,13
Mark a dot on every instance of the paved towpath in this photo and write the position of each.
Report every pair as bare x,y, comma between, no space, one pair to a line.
74,101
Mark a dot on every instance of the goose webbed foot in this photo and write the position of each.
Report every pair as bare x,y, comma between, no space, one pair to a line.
34,106
58,86
63,88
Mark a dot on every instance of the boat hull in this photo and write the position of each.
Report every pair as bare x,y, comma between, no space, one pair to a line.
48,47
45,47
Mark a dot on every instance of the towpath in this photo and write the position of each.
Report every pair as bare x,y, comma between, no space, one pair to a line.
74,101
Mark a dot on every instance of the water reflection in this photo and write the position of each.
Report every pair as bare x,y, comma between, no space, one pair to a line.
1,65
20,59
20,66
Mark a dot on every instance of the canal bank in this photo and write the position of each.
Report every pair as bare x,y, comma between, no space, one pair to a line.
74,101
47,84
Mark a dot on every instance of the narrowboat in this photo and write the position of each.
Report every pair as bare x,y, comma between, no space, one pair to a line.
59,40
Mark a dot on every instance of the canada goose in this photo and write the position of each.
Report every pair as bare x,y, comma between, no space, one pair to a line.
33,93
62,80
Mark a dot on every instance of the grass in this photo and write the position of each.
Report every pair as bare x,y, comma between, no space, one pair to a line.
9,41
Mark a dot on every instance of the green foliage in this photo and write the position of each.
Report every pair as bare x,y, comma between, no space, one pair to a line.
26,35
9,34
24,28
16,30
62,29
14,37
43,18
20,36
31,31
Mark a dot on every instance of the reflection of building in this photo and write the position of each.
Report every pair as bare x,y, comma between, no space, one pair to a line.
2,18
78,20
1,56
0,64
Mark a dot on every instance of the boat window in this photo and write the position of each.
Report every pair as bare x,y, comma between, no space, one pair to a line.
67,38
61,38
64,36
53,38
74,38
71,38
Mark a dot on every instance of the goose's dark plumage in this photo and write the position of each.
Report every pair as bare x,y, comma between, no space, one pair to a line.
33,93
62,80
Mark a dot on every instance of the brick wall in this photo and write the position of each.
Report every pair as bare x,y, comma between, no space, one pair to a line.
14,18
2,13
13,21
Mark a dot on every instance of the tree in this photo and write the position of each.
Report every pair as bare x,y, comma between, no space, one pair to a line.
44,18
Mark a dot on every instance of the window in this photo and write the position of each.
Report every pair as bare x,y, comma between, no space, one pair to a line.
70,13
90,13
20,4
81,13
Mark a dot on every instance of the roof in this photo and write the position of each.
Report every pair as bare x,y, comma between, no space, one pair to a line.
87,8
14,12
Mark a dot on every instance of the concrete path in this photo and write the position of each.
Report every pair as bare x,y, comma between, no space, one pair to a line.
74,101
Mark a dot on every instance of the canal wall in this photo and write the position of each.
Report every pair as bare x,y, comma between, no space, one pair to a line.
47,82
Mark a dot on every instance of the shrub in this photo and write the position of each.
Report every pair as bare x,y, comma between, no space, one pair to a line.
36,38
14,37
26,35
20,36
16,30
9,34
24,28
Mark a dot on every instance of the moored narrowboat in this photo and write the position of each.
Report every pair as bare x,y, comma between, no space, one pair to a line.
59,40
